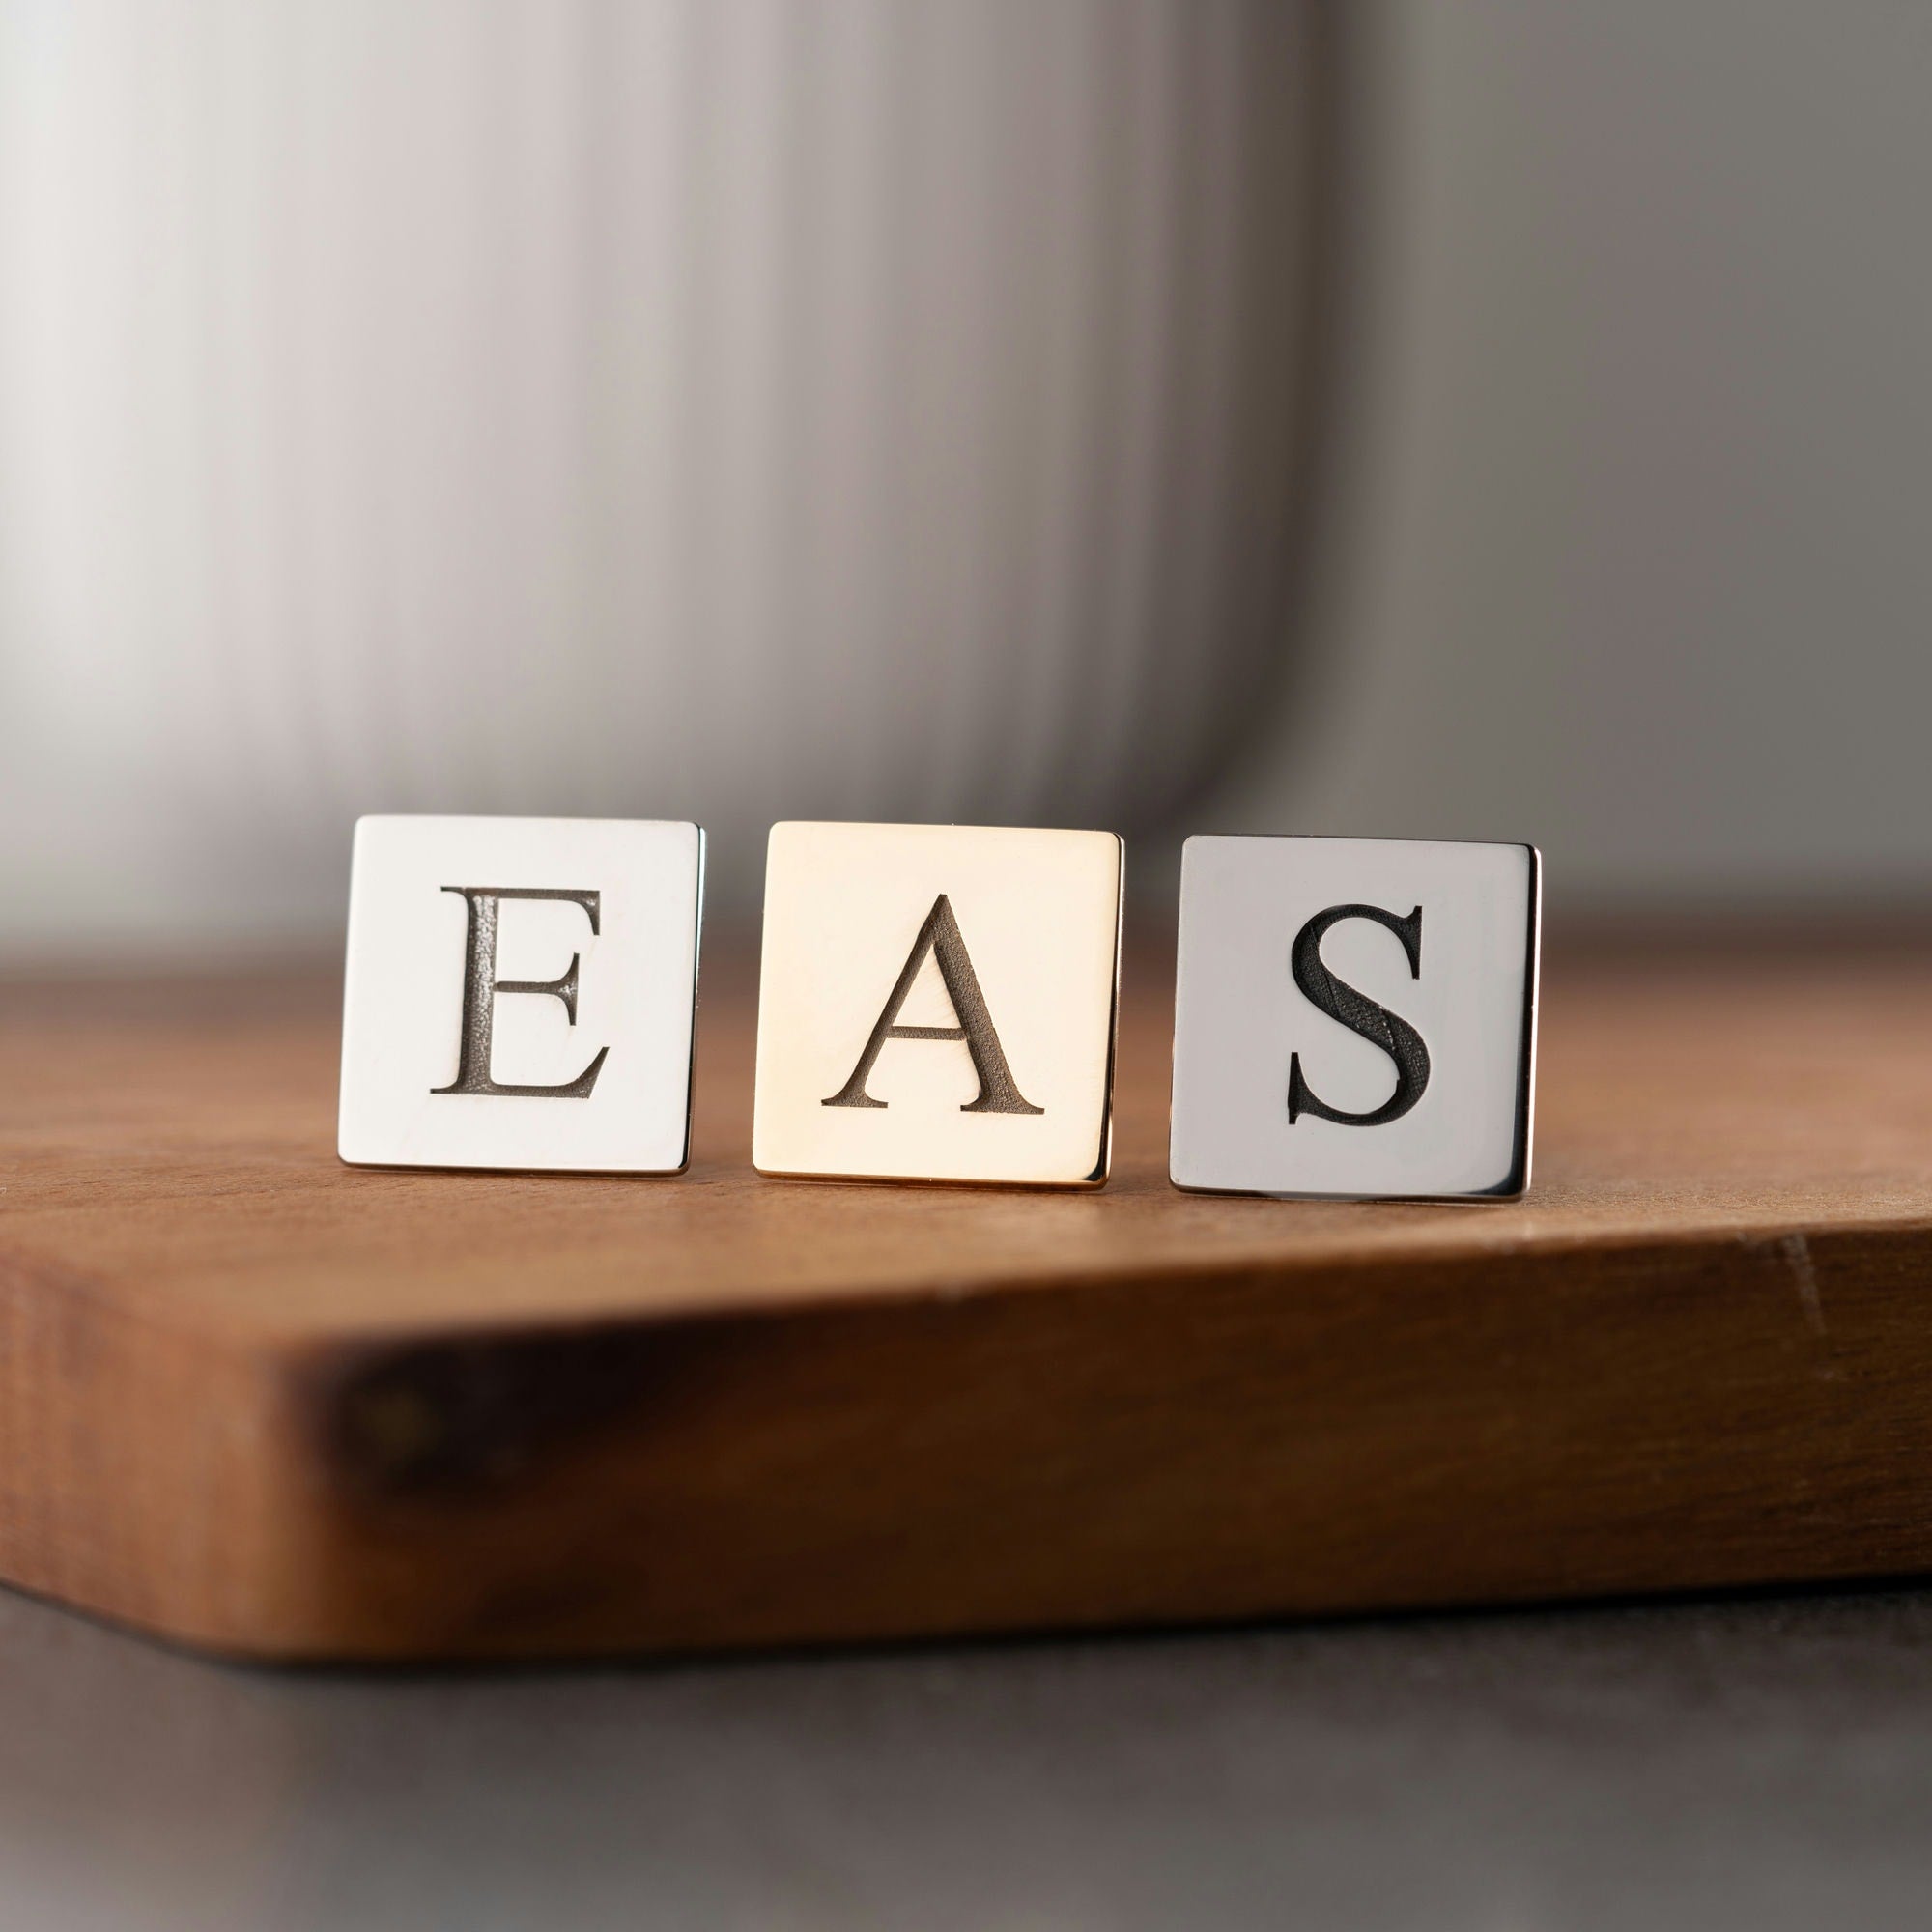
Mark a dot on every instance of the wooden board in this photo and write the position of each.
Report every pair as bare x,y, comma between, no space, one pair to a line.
259,1402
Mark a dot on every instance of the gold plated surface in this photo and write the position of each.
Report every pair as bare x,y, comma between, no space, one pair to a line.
937,1003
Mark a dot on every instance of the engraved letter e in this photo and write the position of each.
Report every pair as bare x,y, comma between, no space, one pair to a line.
481,985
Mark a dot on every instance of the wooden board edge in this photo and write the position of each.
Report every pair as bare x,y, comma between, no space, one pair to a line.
1246,1444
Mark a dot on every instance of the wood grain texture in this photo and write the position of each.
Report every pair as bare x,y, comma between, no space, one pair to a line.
262,1402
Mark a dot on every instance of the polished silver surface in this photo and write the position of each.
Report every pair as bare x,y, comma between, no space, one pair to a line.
1760,1765
542,1022
1355,1017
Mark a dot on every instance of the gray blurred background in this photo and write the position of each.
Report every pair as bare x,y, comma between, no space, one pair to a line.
1635,554
1460,419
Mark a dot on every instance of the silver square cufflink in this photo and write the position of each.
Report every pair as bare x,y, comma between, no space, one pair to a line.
1354,1017
937,1003
520,994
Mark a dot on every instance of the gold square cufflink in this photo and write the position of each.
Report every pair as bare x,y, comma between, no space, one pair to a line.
938,1003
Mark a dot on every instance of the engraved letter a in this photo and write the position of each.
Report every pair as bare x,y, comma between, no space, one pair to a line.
940,936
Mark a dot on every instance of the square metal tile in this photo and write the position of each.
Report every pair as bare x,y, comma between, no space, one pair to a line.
937,1003
520,994
1355,1017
